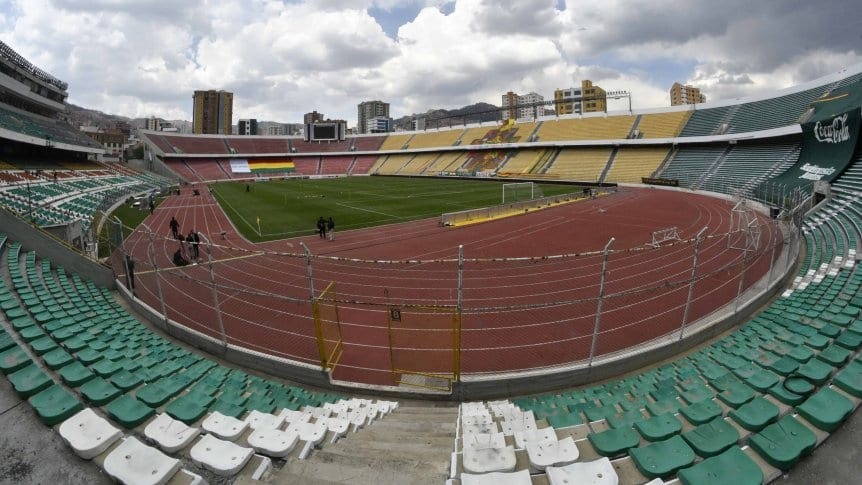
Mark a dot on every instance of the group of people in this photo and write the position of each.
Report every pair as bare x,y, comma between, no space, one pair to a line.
325,226
191,241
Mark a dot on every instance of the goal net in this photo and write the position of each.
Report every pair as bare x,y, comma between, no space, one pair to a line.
518,191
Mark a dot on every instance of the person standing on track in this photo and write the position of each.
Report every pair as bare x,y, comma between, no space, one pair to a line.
175,227
321,227
330,226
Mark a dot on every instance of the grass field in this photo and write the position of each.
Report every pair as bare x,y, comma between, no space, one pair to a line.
289,208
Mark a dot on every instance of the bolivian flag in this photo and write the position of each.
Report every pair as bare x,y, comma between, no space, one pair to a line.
271,166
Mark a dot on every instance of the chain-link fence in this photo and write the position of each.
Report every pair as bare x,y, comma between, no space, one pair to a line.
423,322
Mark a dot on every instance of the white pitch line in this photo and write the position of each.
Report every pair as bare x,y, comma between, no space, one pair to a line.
367,210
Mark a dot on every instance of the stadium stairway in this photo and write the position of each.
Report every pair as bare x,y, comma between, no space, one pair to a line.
146,410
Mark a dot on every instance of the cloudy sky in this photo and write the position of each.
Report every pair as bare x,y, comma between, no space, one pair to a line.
284,58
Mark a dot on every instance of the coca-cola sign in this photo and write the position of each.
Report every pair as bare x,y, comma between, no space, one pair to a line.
836,132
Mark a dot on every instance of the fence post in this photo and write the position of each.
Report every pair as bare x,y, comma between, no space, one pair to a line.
741,279
601,297
151,252
215,290
460,306
691,282
123,253
308,270
771,264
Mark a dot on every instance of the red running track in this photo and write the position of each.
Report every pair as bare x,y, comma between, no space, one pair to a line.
520,314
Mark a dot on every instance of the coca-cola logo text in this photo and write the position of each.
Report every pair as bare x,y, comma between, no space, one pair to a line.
835,132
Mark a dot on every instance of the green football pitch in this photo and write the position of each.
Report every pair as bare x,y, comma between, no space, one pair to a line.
280,209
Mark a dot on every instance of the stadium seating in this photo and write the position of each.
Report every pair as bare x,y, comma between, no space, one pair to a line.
431,139
526,161
690,164
395,142
584,164
64,325
773,112
631,164
592,128
705,122
662,125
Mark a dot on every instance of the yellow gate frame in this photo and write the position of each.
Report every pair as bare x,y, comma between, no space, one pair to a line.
330,349
455,376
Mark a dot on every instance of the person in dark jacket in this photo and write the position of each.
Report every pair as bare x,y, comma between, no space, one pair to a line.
330,227
321,227
175,227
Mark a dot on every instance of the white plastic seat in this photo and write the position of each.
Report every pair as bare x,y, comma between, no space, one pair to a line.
358,418
256,420
338,425
170,434
518,421
521,477
311,433
135,462
273,442
484,440
476,419
479,428
224,427
539,435
293,416
386,407
314,412
598,472
543,454
486,460
88,433
222,457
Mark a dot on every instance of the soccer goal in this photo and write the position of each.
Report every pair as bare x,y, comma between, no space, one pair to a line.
518,191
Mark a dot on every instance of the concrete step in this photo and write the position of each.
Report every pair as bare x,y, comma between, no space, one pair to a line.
413,426
415,448
371,435
376,464
321,473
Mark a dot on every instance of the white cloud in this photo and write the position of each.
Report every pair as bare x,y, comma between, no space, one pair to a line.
282,59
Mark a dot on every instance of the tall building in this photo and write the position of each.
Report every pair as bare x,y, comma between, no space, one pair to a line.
523,107
586,99
247,127
312,117
153,123
369,110
213,112
680,94
276,130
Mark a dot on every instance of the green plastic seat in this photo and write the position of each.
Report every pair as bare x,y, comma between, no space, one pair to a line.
125,380
561,420
662,458
13,358
663,406
43,345
659,427
826,409
57,358
106,368
756,414
834,355
6,341
712,438
736,395
128,411
626,419
782,444
30,334
849,340
613,442
849,380
701,412
234,410
784,395
54,405
29,380
697,393
188,408
76,374
99,391
816,371
784,366
265,404
732,466
154,394
761,380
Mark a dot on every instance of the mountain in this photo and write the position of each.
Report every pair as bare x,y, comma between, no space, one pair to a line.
474,113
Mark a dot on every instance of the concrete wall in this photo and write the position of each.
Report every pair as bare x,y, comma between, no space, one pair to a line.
53,249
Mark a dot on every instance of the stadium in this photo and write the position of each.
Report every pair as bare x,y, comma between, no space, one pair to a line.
667,295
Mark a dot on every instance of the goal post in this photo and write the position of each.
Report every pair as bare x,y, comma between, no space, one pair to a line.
517,191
